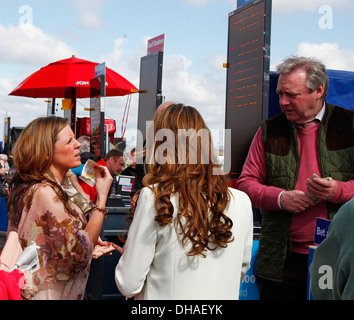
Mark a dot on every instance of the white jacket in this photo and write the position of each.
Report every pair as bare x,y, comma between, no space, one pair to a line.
155,266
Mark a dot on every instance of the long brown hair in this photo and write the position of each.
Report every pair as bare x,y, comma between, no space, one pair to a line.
32,155
188,169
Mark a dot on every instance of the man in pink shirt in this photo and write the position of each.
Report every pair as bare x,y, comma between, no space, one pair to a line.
309,137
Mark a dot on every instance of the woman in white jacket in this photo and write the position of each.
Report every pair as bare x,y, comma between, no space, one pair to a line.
191,235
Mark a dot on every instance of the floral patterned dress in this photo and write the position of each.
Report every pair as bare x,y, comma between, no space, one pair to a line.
65,248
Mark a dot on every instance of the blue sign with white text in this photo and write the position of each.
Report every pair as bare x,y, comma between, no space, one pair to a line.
321,231
311,253
249,288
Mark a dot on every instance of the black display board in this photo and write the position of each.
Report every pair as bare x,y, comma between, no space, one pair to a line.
7,135
150,88
247,86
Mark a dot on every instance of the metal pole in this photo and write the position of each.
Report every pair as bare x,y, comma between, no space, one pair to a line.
107,138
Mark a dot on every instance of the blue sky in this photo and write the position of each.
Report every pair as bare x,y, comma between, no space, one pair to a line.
35,33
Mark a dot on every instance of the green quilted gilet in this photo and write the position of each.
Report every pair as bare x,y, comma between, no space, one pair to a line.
336,153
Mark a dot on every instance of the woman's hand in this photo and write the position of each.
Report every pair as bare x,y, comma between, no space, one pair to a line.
103,181
120,249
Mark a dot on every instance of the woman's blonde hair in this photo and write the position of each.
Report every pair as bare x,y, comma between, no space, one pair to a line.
183,163
32,155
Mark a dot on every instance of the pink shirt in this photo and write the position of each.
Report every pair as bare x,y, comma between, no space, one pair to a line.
253,176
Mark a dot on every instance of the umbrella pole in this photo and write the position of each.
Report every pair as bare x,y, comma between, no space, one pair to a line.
73,115
70,93
53,106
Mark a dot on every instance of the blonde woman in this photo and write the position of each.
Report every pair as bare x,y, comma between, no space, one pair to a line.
40,210
191,235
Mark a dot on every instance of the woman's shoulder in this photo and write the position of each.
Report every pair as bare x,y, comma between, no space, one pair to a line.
239,195
42,189
147,192
45,185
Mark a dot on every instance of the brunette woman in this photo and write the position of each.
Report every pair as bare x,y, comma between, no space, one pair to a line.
191,235
40,210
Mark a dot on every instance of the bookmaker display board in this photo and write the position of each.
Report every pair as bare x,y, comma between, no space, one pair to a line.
247,77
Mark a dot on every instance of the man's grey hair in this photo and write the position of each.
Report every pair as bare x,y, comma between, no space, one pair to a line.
315,69
85,143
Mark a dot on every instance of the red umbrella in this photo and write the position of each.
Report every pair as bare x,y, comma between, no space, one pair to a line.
58,79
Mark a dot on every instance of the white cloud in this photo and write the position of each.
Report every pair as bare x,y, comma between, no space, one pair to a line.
29,45
31,48
290,7
202,91
330,54
113,58
89,11
123,61
6,86
20,110
205,91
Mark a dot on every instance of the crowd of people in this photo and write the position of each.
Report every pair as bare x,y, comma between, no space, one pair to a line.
191,235
6,163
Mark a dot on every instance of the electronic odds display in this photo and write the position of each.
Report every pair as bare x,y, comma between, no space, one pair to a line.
247,77
7,135
150,88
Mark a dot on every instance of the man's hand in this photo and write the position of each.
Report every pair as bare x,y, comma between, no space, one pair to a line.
322,188
295,201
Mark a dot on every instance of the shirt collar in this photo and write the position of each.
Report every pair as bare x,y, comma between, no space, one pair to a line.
320,115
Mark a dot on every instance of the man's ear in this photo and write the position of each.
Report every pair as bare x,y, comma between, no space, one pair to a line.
319,91
111,160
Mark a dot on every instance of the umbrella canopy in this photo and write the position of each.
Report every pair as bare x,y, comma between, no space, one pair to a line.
57,80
